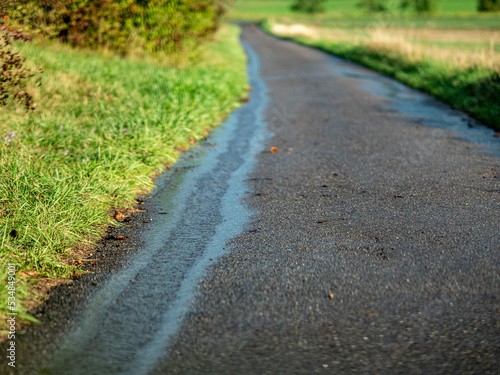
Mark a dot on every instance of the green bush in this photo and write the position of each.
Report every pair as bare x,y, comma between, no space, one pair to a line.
373,6
488,5
425,6
168,25
308,6
13,71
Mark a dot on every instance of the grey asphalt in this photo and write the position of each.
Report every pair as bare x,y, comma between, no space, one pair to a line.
374,245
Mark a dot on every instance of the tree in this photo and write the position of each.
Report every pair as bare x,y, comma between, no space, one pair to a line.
308,6
373,5
426,6
420,6
488,5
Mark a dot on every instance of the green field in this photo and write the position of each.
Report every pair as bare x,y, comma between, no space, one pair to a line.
471,21
103,128
248,9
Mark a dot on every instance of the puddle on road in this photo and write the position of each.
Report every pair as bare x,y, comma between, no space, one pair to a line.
417,105
129,322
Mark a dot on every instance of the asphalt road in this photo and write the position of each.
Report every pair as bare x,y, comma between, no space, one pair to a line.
377,198
369,242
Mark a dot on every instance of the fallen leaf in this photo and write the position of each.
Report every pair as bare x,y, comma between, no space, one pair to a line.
121,238
331,295
398,196
370,315
27,273
322,221
118,216
14,233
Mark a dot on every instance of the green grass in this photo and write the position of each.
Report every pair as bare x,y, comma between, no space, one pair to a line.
472,46
104,127
458,6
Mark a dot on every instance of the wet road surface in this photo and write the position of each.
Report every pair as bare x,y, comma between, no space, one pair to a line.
128,324
368,243
375,242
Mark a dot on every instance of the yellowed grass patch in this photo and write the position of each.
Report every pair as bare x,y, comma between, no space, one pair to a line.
457,48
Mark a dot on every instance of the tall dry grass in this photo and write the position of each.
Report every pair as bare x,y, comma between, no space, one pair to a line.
458,48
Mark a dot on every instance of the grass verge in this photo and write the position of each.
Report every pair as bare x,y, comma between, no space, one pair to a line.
472,86
104,127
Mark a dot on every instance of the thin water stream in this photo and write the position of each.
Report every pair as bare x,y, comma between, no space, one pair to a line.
128,324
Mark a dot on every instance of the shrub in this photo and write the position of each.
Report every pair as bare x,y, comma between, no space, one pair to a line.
488,5
168,25
308,6
373,6
13,72
426,6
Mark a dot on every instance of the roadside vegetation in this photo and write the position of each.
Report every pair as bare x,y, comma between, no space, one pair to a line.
105,124
446,48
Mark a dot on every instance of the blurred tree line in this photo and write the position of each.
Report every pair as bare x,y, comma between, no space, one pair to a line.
419,6
375,6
